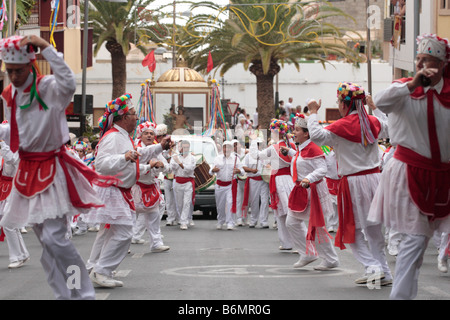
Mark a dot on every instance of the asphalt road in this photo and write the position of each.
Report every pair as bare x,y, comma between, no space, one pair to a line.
208,264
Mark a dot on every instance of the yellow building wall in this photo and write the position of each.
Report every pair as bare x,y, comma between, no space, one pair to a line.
443,26
72,49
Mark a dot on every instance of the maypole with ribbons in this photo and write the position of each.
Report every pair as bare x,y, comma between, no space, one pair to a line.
53,20
145,109
217,119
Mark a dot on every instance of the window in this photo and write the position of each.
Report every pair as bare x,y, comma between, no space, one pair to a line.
444,7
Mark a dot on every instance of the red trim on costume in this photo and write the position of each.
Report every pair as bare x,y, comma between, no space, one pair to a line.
5,187
346,230
349,127
311,151
234,185
32,175
150,194
274,199
419,93
333,185
428,183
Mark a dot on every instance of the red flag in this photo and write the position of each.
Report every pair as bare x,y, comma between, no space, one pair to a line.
150,61
210,65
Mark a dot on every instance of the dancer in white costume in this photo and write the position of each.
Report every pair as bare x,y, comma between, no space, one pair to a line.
183,165
147,195
35,109
116,154
309,200
226,167
256,191
354,139
281,183
419,118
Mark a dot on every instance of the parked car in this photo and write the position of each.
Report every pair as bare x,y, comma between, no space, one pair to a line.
205,151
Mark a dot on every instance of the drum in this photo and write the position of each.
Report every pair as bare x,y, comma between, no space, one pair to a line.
265,173
202,177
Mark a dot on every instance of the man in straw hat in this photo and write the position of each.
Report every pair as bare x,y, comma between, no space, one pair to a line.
117,155
354,139
413,197
50,185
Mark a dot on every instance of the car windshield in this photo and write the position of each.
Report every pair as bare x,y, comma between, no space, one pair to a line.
205,148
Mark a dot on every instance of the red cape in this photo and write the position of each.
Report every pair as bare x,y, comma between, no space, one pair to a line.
349,128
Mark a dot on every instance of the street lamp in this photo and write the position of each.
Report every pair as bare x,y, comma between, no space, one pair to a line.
85,53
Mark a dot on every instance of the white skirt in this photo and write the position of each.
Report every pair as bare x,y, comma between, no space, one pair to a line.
325,202
52,203
284,184
115,211
393,206
362,190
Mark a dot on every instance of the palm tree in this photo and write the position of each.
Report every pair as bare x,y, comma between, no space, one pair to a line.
263,36
117,25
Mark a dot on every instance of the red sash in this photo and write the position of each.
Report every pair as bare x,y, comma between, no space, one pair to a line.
37,170
150,194
428,183
234,185
2,235
182,180
247,193
349,128
346,229
274,199
5,187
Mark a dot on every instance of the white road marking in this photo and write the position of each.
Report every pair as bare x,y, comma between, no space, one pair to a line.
122,273
253,271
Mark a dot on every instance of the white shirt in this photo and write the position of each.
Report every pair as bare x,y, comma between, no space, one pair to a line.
226,166
251,163
407,119
269,155
351,157
311,169
110,158
188,162
38,133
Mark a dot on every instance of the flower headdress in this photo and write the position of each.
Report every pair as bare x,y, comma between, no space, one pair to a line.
279,125
80,145
116,107
356,95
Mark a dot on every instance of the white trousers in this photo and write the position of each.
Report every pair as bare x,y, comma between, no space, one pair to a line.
239,200
283,233
371,253
65,269
183,196
110,248
171,206
298,231
149,220
332,220
407,266
16,246
224,201
258,202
